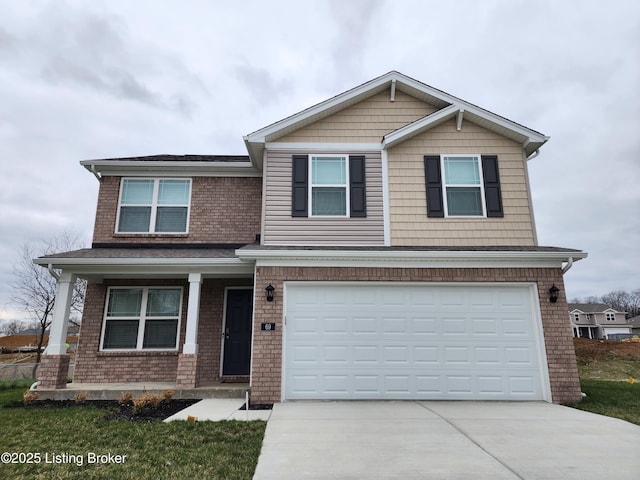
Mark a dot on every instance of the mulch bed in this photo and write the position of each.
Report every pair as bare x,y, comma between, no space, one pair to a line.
165,408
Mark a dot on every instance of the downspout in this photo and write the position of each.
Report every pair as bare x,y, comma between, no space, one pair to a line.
95,173
53,273
569,264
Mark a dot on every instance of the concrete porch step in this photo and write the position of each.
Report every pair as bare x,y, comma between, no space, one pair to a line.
113,391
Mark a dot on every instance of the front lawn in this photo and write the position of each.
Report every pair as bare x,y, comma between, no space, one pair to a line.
71,443
613,399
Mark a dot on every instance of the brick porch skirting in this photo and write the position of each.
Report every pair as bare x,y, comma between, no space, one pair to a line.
187,375
53,371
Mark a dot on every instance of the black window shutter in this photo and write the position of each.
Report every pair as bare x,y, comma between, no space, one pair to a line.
433,179
299,186
492,193
357,192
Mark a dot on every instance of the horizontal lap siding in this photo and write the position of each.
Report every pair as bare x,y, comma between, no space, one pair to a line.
365,122
410,225
280,228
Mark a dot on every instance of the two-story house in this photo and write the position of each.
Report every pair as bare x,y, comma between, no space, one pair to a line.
378,245
597,320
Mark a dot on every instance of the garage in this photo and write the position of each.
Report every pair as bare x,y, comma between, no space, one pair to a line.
370,340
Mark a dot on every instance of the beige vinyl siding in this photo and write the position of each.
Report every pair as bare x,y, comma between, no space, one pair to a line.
280,228
364,122
410,225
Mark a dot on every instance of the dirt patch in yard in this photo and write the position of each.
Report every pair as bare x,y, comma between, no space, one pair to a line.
607,359
589,350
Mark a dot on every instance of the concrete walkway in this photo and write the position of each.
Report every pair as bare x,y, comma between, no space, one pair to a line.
218,409
446,440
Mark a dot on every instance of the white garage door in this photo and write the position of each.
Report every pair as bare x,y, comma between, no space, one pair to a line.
411,341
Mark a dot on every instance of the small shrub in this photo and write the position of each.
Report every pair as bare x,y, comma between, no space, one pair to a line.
168,394
126,398
81,397
30,396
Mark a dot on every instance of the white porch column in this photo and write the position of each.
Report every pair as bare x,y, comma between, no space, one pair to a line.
193,312
61,308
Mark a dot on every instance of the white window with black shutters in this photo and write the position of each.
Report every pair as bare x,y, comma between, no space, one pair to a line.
463,186
328,185
142,318
154,205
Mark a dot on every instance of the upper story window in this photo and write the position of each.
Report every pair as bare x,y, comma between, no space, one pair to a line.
463,186
576,317
464,193
611,317
154,205
142,318
329,177
328,185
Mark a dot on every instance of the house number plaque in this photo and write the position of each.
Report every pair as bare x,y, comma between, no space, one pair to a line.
268,326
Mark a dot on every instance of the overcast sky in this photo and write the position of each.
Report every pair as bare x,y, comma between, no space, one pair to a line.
96,79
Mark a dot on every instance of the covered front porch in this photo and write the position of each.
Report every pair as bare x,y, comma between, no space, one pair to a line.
178,318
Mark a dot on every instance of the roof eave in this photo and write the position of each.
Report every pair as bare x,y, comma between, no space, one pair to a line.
174,168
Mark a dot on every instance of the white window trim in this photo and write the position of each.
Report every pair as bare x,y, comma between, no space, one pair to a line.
610,317
445,185
345,186
141,320
154,206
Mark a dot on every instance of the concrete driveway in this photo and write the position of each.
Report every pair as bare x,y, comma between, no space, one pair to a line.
446,440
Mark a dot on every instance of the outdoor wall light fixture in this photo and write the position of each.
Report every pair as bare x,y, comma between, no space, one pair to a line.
553,293
270,289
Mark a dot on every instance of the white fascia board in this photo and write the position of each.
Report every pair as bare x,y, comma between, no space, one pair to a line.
317,110
409,259
324,147
419,126
187,169
148,266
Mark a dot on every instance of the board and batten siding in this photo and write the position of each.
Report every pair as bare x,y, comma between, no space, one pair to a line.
410,225
280,228
365,122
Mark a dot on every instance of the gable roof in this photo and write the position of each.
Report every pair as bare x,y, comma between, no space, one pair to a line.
448,107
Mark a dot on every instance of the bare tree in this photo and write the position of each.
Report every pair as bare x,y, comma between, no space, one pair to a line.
13,327
34,288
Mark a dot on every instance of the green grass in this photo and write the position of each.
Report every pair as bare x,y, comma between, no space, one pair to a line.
155,450
613,399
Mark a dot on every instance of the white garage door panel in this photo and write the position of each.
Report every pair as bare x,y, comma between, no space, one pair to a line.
371,341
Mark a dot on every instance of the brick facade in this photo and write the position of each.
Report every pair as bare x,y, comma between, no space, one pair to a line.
267,346
237,222
53,370
93,365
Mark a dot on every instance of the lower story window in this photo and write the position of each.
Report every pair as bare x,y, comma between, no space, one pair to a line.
141,318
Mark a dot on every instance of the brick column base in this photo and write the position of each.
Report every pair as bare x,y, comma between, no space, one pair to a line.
53,370
187,376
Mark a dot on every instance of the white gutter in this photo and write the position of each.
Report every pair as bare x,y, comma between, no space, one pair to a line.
569,264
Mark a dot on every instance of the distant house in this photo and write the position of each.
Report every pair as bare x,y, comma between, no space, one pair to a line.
597,320
634,322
